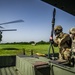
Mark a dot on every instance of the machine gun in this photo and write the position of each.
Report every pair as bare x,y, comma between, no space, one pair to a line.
51,37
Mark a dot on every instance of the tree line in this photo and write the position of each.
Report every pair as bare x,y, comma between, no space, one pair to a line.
31,42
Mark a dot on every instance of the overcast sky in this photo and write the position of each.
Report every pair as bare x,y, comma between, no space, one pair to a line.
37,16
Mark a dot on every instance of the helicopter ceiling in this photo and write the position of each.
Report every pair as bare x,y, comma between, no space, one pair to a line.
65,5
16,21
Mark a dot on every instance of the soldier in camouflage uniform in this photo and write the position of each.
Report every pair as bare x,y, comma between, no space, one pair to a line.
72,35
63,41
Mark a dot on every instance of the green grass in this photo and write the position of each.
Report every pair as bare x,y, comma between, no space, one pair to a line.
15,49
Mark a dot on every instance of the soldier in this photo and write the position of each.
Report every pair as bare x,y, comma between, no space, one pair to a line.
72,35
63,41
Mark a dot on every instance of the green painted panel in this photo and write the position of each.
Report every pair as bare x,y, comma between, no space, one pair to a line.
27,66
31,66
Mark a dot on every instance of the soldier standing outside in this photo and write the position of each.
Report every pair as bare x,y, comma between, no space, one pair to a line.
63,41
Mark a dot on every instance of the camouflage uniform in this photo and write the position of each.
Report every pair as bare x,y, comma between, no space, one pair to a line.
73,45
63,41
72,34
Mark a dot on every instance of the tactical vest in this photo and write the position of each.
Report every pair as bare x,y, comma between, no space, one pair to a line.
67,41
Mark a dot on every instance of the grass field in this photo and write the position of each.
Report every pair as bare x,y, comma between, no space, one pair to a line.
15,49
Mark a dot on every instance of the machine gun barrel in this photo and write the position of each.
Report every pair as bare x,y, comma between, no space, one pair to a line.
52,31
53,22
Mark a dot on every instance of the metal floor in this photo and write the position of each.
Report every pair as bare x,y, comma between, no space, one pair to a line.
9,71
